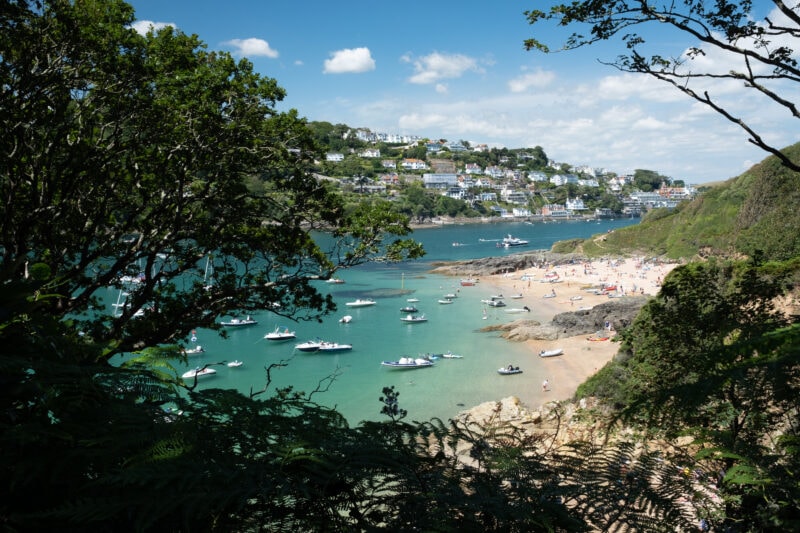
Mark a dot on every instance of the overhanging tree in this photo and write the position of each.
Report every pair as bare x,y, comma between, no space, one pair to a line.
765,49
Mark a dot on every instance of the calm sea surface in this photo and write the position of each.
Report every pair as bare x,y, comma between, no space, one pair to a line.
377,334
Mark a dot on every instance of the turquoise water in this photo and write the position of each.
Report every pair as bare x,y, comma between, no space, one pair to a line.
377,334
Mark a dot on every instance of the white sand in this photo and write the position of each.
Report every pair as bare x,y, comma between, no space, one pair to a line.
582,357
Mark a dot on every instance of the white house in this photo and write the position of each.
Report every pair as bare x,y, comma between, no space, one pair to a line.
414,164
334,157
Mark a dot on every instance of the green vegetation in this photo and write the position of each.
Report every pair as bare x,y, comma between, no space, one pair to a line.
146,157
756,212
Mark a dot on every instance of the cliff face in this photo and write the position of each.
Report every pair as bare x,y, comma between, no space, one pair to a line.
488,266
619,311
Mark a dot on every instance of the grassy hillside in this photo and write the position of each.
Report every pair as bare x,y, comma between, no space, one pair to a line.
759,210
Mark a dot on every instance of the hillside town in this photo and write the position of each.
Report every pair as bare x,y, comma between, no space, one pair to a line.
516,184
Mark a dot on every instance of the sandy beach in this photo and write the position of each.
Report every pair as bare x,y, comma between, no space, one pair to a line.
551,290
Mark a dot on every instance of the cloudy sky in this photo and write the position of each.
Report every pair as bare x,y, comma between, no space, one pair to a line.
447,70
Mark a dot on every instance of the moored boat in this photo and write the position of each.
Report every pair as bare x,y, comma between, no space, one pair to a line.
407,363
194,351
413,319
330,347
509,370
551,353
409,309
239,322
308,346
360,302
199,373
235,364
280,334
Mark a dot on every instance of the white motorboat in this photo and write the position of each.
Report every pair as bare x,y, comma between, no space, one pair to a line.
337,281
408,362
409,309
365,302
451,355
235,364
280,334
194,351
510,241
308,346
413,319
509,370
199,373
238,322
330,347
551,353
445,301
413,300
516,296
346,319
523,309
496,303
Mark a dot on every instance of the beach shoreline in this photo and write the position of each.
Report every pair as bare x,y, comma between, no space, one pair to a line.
554,289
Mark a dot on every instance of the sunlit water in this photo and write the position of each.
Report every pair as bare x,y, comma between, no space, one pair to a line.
377,334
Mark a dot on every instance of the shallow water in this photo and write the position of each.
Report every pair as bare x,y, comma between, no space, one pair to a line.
377,334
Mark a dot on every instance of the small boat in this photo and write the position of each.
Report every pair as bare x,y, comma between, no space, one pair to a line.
280,334
524,309
468,282
330,347
496,303
551,294
451,355
193,351
408,309
335,280
408,362
238,322
516,296
509,370
458,244
199,373
308,346
597,338
346,319
510,241
360,302
413,300
551,353
235,364
413,319
576,298
445,301
450,296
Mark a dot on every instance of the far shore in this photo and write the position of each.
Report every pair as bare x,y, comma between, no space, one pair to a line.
439,222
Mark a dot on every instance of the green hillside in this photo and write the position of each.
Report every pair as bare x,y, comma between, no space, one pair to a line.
759,210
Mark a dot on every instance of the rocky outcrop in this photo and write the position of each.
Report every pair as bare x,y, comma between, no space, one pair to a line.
619,312
488,266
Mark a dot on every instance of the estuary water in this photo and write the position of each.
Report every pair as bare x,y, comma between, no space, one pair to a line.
377,333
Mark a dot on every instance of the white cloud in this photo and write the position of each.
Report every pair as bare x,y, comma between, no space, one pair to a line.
143,26
252,47
349,61
436,66
536,80
441,88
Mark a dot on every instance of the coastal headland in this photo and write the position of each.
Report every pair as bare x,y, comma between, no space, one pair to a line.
576,304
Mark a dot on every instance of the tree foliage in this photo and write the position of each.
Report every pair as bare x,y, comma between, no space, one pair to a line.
765,50
713,358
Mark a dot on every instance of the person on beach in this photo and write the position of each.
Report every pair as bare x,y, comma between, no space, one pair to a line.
545,385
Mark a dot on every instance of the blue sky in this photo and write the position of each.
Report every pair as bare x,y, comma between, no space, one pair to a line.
452,71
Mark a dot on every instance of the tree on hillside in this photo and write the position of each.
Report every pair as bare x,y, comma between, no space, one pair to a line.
125,169
648,180
766,49
711,357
